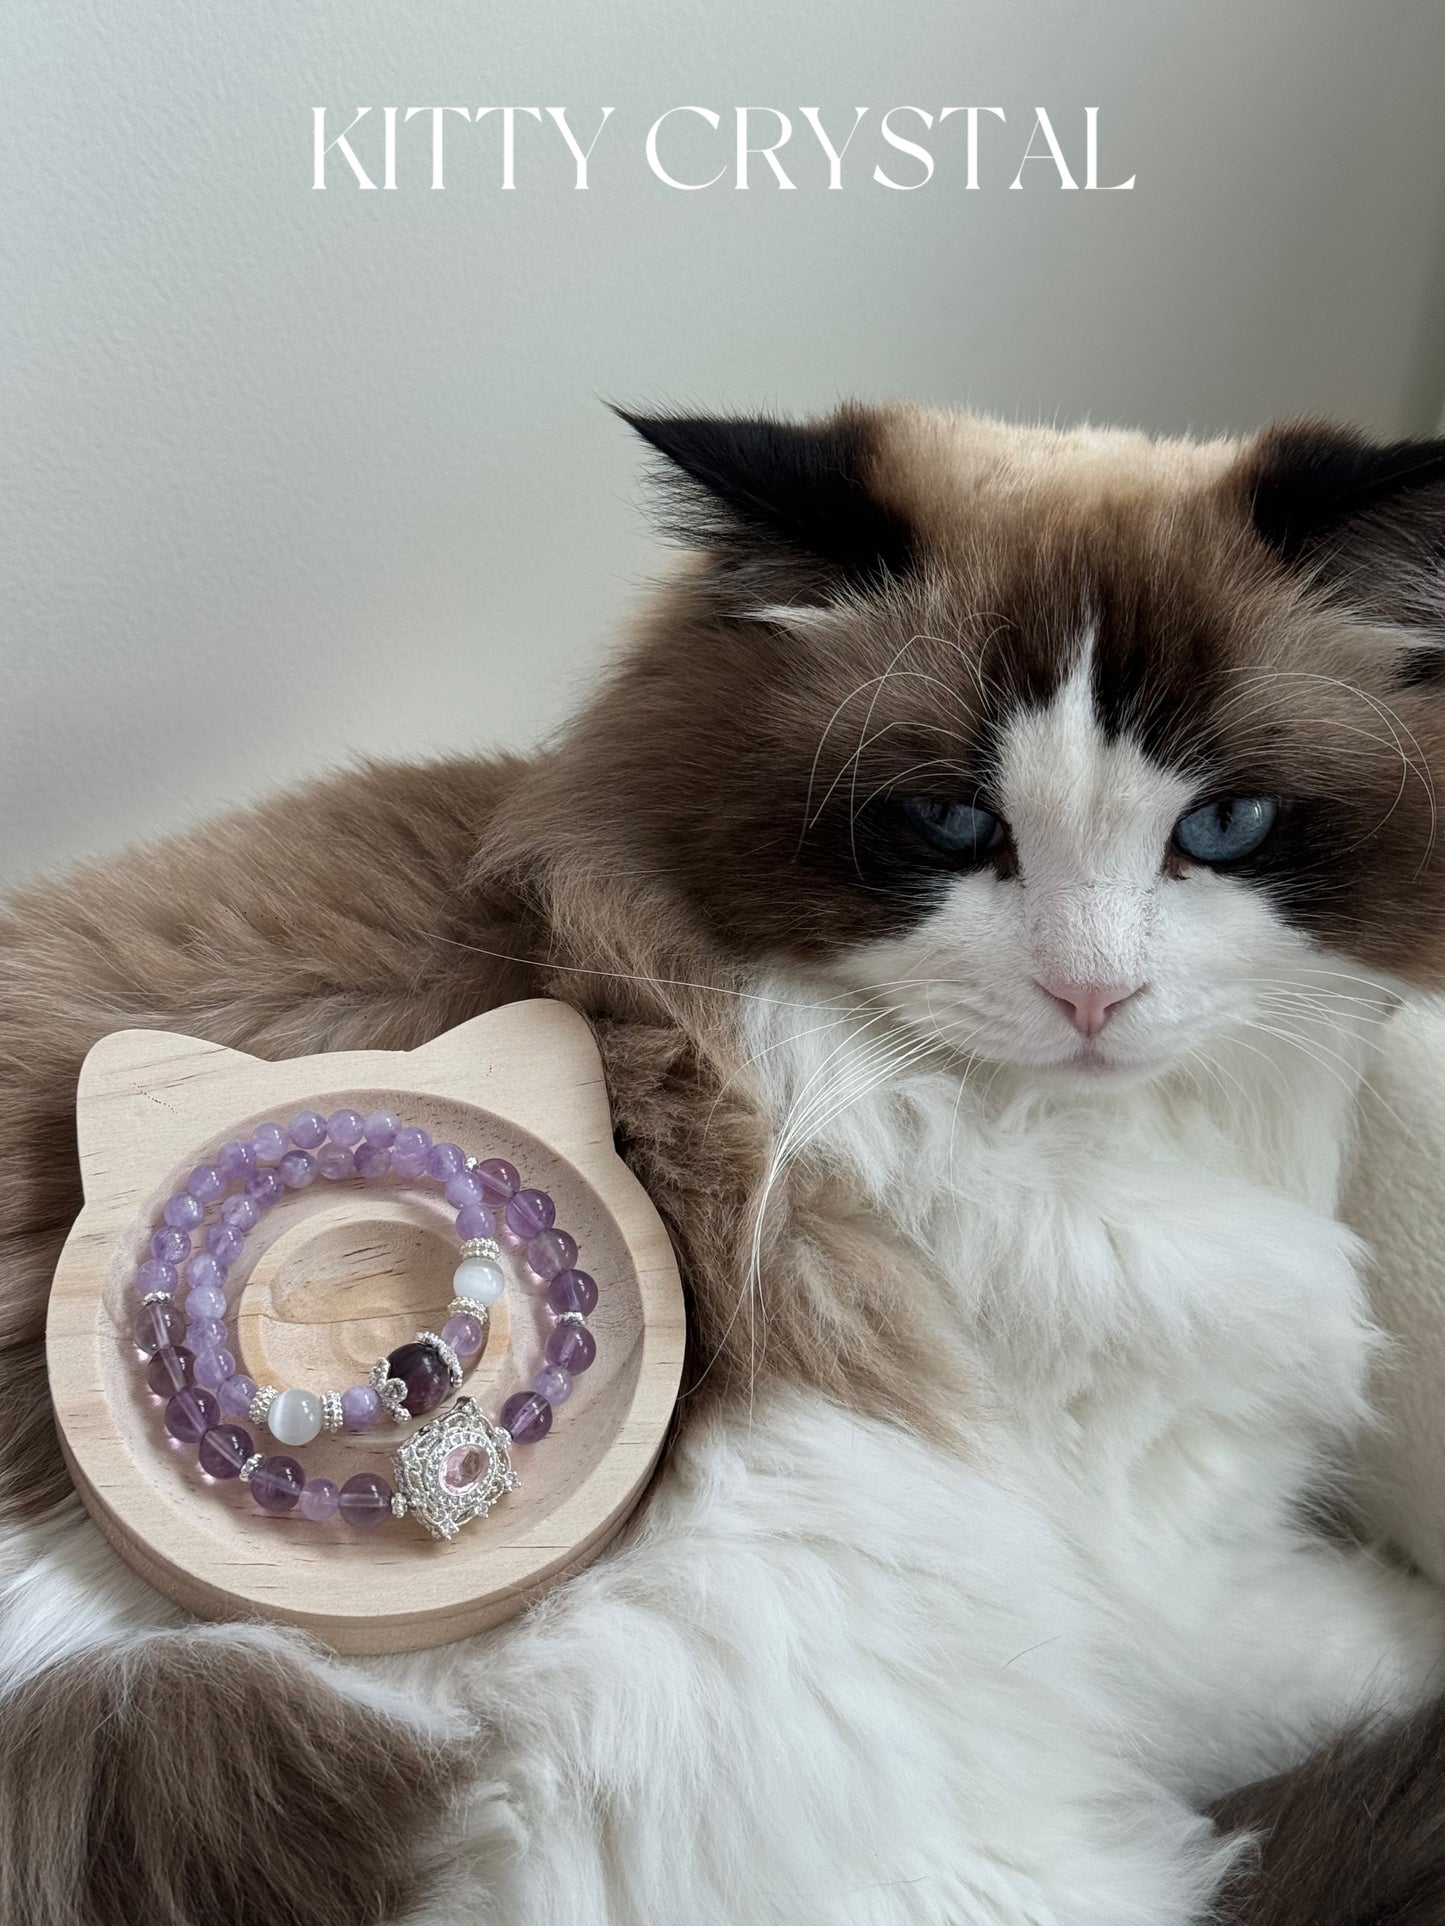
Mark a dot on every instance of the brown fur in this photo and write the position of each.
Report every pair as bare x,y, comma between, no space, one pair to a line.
633,871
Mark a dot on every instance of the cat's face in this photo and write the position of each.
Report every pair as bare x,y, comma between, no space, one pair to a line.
1078,750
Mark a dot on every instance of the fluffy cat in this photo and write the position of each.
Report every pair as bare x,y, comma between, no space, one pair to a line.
989,873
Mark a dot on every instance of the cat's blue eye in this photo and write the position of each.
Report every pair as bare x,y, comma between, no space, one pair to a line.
958,829
1227,830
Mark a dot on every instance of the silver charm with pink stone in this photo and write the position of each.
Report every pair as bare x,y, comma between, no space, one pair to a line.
453,1470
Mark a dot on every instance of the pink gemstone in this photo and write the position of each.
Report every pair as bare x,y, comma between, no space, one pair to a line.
463,1467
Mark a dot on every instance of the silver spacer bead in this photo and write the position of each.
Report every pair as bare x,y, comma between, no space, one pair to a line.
472,1162
261,1404
250,1465
482,1247
159,1297
332,1416
571,1317
398,1505
445,1352
469,1307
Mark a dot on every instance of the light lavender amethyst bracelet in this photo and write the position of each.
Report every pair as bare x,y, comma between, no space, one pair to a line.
450,1470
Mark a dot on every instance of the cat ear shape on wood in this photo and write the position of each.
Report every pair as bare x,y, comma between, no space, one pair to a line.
340,1274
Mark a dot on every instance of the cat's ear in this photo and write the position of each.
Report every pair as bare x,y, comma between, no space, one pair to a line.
749,489
1364,519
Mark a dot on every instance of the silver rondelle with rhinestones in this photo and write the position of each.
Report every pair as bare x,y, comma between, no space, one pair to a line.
256,1458
332,1415
261,1404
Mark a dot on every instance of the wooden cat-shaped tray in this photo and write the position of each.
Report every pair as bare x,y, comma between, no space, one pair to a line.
337,1275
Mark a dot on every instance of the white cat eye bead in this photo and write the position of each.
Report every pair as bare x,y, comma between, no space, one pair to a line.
479,1280
294,1417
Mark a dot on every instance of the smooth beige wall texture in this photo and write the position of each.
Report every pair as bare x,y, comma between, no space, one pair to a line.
291,476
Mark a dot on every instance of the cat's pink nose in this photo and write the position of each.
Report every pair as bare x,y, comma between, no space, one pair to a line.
1090,1005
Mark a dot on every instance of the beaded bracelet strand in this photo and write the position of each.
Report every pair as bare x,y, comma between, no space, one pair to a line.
450,1470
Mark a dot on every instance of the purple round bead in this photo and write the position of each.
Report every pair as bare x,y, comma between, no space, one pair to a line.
572,1291
264,1187
346,1127
335,1161
156,1275
276,1483
268,1140
475,1221
235,1395
204,1300
224,1449
169,1371
157,1325
169,1245
426,1378
553,1383
465,1334
308,1130
241,1213
551,1251
206,1334
444,1161
213,1368
236,1160
297,1169
206,1183
410,1151
205,1272
463,1189
499,1180
360,1407
319,1498
572,1347
527,1417
224,1241
190,1414
183,1212
365,1500
372,1162
529,1212
380,1128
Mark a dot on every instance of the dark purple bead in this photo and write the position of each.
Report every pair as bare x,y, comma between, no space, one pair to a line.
297,1169
530,1211
551,1251
365,1500
224,1241
276,1483
499,1180
444,1161
156,1275
190,1414
572,1291
571,1346
265,1187
347,1127
224,1449
308,1130
381,1128
426,1378
236,1160
169,1371
463,1189
475,1221
206,1183
169,1245
183,1212
372,1162
241,1213
527,1417
157,1325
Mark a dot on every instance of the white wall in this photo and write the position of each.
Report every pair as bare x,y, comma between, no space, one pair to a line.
289,476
